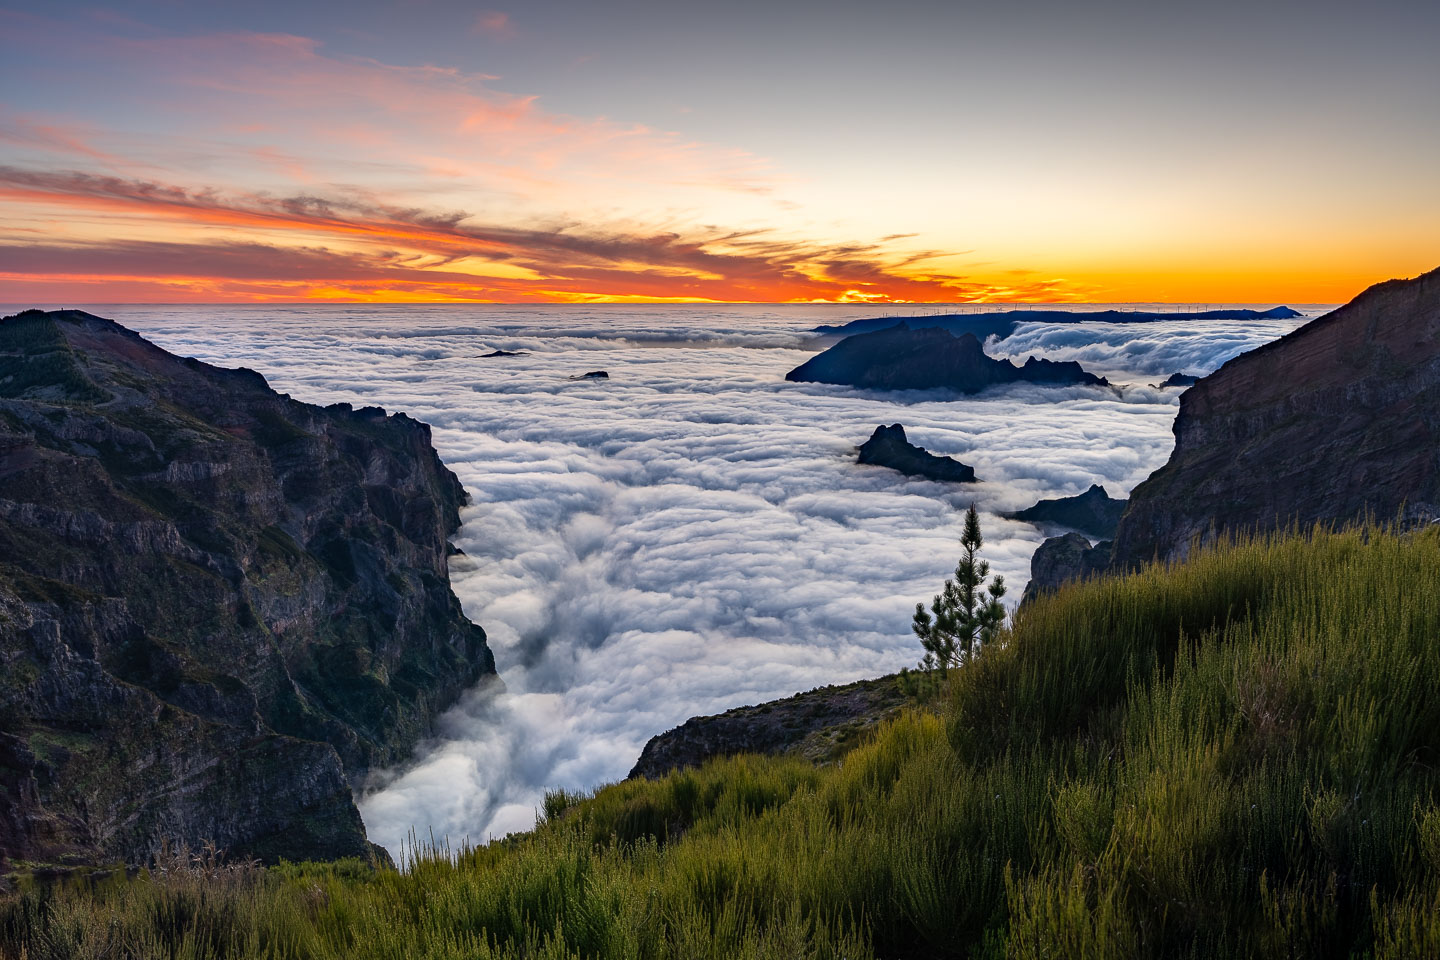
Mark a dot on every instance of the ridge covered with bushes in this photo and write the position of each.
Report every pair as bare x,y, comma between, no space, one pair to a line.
1232,757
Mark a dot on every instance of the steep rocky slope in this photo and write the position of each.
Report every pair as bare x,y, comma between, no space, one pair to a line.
1337,419
927,359
219,607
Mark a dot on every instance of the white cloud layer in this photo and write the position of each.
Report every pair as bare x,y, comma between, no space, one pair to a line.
1128,352
693,533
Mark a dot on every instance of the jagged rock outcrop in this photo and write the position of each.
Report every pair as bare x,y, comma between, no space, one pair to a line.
1059,560
1093,512
887,447
1336,420
818,725
901,358
219,607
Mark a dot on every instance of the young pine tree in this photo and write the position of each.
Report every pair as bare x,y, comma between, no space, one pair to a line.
966,614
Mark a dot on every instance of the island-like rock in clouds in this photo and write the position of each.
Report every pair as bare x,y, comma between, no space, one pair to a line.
818,725
1093,512
1333,422
1061,560
901,358
887,447
219,607
1177,380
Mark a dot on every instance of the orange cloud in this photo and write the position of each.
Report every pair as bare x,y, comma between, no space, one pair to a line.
354,247
29,131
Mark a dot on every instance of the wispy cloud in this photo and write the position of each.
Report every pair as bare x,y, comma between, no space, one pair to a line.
355,245
494,23
27,131
280,90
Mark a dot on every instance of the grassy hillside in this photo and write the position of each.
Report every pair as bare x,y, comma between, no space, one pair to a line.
1236,757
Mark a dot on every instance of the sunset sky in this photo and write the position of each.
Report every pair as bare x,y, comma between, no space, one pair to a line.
165,150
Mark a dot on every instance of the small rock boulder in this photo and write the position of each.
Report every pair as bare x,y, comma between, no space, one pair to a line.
1060,560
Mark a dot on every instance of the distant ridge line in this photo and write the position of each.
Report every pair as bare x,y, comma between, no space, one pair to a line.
1003,323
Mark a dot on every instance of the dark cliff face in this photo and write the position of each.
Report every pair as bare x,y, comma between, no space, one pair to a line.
1339,418
927,359
219,607
887,447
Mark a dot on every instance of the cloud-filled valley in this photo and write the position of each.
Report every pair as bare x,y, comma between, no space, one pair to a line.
692,533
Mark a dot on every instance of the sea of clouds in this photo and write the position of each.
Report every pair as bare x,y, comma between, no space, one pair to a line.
693,533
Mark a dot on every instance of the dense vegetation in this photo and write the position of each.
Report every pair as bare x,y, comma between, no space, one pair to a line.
1234,757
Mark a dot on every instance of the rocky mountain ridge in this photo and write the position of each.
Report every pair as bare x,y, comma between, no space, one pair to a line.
1335,421
219,607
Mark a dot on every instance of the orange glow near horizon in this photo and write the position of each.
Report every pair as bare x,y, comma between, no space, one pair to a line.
140,241
77,289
